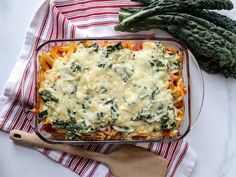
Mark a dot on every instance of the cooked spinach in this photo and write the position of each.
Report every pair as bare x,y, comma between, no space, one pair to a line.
118,46
42,115
99,115
126,74
72,128
102,60
74,91
103,89
59,124
167,127
47,96
75,67
164,119
114,108
124,129
154,93
71,114
164,122
167,123
109,101
142,96
160,107
94,46
156,64
86,104
123,71
110,49
142,115
101,65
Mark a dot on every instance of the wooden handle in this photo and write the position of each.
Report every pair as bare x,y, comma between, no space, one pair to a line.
33,140
28,139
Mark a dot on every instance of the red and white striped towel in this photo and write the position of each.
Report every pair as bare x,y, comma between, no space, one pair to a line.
69,19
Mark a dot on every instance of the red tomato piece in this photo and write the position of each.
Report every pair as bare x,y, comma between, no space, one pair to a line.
138,46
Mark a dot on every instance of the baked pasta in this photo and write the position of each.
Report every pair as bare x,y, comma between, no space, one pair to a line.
111,91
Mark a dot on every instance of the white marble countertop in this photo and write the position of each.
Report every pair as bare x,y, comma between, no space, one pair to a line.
213,138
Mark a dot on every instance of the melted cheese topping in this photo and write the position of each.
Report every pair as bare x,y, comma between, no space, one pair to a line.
126,90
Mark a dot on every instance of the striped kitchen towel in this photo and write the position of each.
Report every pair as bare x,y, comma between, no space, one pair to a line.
70,19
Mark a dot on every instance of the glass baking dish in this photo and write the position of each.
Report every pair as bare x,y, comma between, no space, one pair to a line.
192,79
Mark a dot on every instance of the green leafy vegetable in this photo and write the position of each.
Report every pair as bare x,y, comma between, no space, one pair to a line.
216,18
126,75
211,16
156,64
143,115
48,96
124,129
94,47
110,49
71,114
73,129
100,115
114,108
103,89
75,67
175,6
42,115
146,2
154,93
125,12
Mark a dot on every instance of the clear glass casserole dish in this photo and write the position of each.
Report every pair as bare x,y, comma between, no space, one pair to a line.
193,82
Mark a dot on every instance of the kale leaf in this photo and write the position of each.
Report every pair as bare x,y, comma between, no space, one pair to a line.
216,18
161,6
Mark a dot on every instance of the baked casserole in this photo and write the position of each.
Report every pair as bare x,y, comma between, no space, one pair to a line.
111,90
